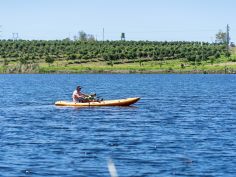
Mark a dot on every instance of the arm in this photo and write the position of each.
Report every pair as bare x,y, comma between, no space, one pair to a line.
83,95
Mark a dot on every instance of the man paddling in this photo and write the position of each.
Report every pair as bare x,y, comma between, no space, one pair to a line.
78,96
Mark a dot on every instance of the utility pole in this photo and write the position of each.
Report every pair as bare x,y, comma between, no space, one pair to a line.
227,36
103,34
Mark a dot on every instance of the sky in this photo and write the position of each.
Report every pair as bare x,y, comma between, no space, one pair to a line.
153,20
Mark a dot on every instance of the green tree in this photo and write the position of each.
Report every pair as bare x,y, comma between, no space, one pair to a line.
217,54
49,60
72,57
227,54
221,37
24,60
82,36
5,62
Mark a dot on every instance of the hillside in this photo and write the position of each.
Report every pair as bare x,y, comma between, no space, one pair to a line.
109,56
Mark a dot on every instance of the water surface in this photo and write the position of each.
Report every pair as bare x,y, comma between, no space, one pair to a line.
184,125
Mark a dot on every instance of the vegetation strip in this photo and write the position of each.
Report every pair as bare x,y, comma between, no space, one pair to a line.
66,56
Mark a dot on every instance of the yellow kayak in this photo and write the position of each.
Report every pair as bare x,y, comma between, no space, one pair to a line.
120,102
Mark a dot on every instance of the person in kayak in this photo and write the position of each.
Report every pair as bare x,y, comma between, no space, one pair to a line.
78,96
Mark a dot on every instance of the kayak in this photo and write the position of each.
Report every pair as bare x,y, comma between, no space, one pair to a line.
120,102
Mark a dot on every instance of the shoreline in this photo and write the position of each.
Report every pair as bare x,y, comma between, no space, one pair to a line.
97,68
229,71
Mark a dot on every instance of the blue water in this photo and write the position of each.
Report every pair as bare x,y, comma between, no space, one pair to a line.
184,125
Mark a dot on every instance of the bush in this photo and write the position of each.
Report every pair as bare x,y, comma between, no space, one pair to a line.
217,54
49,60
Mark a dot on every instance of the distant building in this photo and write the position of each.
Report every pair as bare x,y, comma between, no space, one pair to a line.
123,36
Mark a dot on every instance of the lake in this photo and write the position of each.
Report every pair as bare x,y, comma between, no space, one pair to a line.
184,125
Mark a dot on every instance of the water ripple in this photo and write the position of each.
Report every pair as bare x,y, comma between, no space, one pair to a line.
184,125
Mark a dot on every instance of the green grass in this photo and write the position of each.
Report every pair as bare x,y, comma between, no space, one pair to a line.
168,66
1,69
233,50
153,66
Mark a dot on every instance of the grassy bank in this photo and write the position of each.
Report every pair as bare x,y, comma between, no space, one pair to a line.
151,67
223,65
